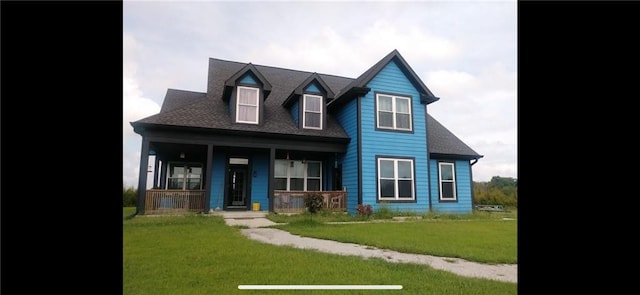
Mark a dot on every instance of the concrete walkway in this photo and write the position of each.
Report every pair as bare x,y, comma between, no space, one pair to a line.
257,231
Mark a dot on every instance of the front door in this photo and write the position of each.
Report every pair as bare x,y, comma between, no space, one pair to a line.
237,186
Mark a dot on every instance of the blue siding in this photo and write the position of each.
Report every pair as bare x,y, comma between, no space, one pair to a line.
294,112
260,182
327,175
347,117
217,180
248,80
312,88
463,189
394,144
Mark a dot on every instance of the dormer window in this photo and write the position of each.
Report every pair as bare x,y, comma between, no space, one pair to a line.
245,93
307,103
312,115
247,105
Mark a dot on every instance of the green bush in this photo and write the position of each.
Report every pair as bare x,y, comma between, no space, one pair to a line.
129,196
313,202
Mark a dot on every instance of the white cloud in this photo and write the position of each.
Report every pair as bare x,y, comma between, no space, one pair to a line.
135,107
481,110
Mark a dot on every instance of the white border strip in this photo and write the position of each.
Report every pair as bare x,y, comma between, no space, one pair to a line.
320,287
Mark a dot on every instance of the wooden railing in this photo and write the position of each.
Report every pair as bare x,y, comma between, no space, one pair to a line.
173,201
293,201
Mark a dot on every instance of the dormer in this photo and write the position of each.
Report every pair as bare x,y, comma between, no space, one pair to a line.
308,103
245,92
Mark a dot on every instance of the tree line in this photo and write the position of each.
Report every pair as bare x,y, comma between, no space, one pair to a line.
498,191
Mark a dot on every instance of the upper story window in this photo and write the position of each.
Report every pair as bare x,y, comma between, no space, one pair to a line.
247,105
395,179
312,114
393,112
447,181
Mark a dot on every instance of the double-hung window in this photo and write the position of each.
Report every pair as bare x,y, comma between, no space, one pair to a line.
395,179
312,116
298,175
447,181
393,112
247,104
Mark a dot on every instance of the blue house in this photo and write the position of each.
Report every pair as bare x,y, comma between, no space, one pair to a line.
264,138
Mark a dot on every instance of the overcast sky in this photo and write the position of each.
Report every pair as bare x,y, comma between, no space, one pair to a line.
464,51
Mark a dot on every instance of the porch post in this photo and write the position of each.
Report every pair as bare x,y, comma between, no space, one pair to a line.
155,171
142,177
207,182
272,157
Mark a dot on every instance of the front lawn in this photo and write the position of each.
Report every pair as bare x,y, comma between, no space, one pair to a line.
201,255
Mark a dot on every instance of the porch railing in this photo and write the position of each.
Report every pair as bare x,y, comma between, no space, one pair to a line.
293,201
173,201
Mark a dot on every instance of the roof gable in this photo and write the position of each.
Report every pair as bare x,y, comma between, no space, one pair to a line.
298,91
248,72
359,85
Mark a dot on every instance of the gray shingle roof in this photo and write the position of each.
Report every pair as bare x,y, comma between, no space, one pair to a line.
443,142
208,110
175,98
213,113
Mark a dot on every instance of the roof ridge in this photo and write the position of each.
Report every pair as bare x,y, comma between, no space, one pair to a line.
281,68
184,90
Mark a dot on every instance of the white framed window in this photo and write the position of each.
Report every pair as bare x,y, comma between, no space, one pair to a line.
312,115
298,175
247,104
447,174
393,112
184,176
395,179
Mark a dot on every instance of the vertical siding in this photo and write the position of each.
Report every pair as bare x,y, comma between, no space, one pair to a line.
217,179
388,143
294,112
259,183
347,116
463,189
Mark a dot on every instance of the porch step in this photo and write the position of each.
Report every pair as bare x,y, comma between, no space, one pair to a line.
241,214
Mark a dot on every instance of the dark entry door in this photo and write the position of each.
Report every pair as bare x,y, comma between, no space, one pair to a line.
237,186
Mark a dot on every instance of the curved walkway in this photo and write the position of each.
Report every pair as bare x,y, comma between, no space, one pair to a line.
500,272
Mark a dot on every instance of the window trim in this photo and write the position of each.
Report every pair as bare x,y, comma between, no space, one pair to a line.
304,111
396,198
394,98
306,177
257,105
453,181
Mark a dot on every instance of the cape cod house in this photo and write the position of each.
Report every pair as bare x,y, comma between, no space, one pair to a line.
265,137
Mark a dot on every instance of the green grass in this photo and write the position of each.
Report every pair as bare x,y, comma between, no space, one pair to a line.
201,255
128,212
486,237
481,240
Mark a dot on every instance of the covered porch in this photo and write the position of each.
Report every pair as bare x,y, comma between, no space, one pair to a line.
212,174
